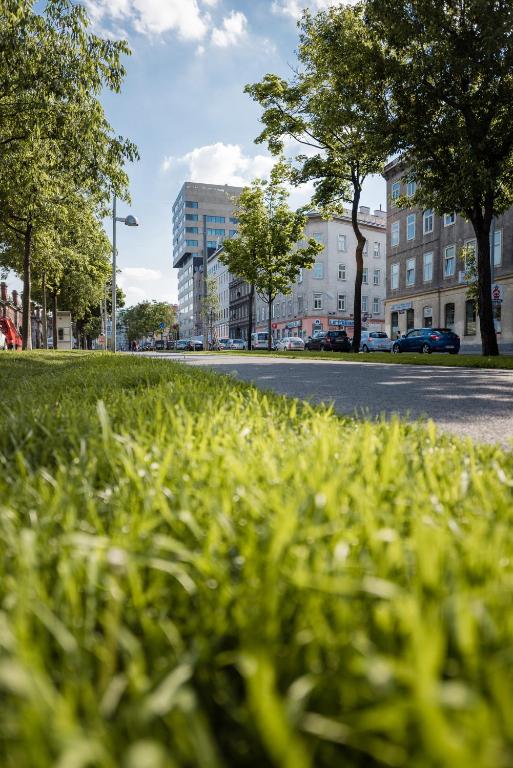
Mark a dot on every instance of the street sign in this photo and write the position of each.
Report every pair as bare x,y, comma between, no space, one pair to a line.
274,325
162,326
497,293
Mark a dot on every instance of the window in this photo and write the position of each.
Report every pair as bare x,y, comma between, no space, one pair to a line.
192,230
365,276
191,217
470,318
377,250
394,276
394,324
427,314
341,302
317,236
191,204
366,248
317,300
410,319
375,305
377,277
341,271
410,272
410,226
394,233
411,188
300,275
233,232
234,220
365,304
449,218
300,304
212,244
191,243
318,270
216,232
428,221
497,248
342,243
396,191
428,267
289,306
449,316
497,316
449,261
215,219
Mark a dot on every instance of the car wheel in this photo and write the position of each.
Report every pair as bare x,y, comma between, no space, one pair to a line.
365,348
396,349
453,352
426,349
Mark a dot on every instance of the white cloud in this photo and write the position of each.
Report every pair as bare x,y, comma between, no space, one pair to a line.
232,32
142,273
221,164
294,8
153,17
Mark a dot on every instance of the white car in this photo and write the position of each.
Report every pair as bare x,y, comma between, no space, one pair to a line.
3,341
290,342
375,341
236,344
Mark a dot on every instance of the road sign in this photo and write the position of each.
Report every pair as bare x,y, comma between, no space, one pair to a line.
162,326
101,338
497,292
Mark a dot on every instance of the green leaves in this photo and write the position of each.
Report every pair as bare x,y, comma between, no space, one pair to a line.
145,318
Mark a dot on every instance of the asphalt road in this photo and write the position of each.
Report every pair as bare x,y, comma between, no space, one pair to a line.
467,402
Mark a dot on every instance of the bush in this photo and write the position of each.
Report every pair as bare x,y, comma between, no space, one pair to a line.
198,574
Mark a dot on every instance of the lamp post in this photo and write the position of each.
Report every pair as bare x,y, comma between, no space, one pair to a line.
129,221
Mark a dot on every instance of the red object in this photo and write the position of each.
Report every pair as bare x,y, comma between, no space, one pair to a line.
11,334
274,325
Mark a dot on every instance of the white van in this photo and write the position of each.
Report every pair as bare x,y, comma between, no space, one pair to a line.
260,340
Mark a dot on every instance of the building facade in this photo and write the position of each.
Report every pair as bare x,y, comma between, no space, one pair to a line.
239,309
202,219
426,283
220,273
323,297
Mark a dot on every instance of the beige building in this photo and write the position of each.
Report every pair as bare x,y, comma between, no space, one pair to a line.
426,284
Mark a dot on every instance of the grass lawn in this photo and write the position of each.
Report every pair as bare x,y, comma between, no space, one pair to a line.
405,358
199,575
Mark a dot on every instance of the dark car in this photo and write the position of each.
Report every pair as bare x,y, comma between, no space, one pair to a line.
170,344
331,341
159,344
428,340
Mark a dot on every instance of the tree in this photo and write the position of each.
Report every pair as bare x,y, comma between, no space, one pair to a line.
333,105
60,144
448,77
266,252
210,310
146,317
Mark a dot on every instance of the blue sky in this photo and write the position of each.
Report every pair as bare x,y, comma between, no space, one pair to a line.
183,104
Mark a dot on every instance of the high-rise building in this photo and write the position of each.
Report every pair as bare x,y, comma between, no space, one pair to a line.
202,219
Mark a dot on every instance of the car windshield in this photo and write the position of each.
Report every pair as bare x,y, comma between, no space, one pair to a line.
379,335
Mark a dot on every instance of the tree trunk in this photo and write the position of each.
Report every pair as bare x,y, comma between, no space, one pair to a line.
54,318
250,313
44,323
269,323
361,240
27,288
482,226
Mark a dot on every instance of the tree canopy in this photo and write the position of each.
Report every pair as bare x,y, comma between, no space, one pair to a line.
145,318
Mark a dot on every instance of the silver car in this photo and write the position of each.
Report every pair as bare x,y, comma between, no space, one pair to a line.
290,342
375,341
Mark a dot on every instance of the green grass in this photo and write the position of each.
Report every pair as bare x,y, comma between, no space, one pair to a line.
199,575
406,358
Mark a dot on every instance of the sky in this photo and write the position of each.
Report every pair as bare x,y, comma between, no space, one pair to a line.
183,104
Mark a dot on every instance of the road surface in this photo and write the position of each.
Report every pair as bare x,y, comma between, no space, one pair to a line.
468,402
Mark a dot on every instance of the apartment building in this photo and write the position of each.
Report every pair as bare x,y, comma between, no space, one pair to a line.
426,284
202,219
221,274
323,297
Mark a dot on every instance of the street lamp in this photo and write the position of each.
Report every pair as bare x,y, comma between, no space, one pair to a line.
129,221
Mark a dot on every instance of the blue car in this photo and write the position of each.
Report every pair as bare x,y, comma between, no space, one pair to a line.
428,340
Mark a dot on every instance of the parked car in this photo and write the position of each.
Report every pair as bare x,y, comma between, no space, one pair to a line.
170,344
223,343
182,344
375,341
331,341
428,340
160,344
195,344
236,344
260,340
290,342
